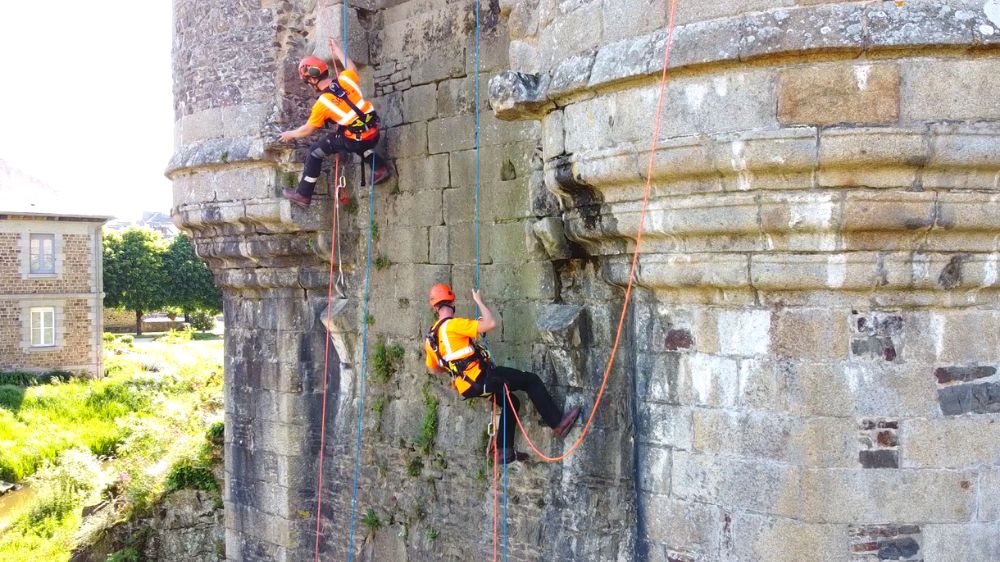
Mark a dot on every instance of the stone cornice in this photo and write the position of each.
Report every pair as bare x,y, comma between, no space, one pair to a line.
850,29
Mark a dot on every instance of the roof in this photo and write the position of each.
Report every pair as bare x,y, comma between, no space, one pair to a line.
24,196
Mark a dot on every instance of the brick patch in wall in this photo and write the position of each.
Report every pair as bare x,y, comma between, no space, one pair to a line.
879,443
877,335
873,543
958,394
679,339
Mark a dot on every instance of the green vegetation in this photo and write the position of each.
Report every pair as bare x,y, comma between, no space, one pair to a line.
375,234
386,361
290,179
351,207
414,466
129,437
370,320
371,521
224,157
33,379
382,262
432,534
429,425
142,273
130,554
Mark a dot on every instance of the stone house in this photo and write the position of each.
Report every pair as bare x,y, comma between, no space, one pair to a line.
50,285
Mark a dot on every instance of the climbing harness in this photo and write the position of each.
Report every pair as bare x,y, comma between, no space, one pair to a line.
364,126
460,363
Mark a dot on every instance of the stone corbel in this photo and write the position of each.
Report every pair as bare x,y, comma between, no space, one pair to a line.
561,327
516,96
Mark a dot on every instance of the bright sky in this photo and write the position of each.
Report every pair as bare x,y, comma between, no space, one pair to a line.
86,99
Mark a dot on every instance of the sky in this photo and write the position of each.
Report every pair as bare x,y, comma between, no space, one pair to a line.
86,102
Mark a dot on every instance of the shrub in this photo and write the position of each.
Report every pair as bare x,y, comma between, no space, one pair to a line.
130,554
191,475
108,337
177,336
201,320
371,521
216,432
386,361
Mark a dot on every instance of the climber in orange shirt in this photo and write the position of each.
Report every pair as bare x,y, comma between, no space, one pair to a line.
451,346
356,124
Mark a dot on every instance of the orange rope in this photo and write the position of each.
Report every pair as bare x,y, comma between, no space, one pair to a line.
326,371
635,260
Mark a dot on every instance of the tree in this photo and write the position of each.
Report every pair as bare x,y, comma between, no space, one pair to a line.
134,277
190,286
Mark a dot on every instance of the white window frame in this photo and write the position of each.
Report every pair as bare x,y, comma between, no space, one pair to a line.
32,255
42,328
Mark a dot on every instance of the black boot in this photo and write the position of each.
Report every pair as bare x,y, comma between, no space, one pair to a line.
382,171
509,455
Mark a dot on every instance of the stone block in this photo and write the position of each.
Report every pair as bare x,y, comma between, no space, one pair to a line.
748,435
420,103
559,324
865,389
755,536
737,100
550,232
687,13
448,134
889,211
422,208
494,132
587,126
461,243
816,334
833,93
952,89
533,280
439,237
666,425
683,525
571,74
518,96
705,42
496,164
620,21
969,541
761,486
707,380
811,28
441,64
989,488
507,244
874,496
412,281
519,323
458,96
744,332
524,57
966,336
553,135
654,470
390,110
405,244
970,398
424,172
562,37
839,271
920,23
951,443
628,58
406,140
692,271
504,201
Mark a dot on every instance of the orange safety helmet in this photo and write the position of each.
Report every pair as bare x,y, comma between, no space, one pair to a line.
441,293
313,67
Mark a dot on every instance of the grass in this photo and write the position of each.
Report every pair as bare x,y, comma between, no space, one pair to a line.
132,436
381,262
429,425
371,521
386,361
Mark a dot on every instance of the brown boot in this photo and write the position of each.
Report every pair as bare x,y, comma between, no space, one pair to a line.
294,197
567,422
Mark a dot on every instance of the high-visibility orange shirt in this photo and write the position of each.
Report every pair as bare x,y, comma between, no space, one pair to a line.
330,107
455,342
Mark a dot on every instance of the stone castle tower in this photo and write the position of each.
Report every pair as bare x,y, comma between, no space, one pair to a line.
808,370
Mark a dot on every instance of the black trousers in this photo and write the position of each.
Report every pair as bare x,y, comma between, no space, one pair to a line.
527,382
319,151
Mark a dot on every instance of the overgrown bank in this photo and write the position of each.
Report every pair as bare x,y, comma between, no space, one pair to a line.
112,449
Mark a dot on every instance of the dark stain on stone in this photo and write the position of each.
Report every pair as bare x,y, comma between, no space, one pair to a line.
896,549
879,459
946,375
951,275
679,339
507,171
961,399
585,198
964,484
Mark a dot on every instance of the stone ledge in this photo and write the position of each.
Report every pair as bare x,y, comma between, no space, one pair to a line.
850,28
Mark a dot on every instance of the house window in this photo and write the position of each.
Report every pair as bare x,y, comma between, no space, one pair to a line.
43,253
43,326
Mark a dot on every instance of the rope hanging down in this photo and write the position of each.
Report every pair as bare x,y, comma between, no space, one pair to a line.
364,362
635,257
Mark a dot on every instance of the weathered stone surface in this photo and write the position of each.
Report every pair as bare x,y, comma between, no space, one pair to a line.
839,93
946,89
514,95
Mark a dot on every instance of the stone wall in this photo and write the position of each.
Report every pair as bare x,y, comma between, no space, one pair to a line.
807,369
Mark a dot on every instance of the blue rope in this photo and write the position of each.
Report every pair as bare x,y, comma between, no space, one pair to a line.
475,4
364,359
343,40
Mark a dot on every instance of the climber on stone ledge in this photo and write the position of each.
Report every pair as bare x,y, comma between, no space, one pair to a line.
356,124
451,346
